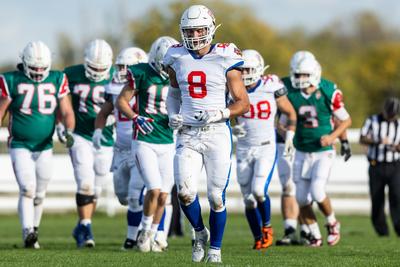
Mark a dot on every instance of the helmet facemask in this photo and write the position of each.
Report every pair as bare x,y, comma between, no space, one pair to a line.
128,57
305,74
196,43
98,60
253,66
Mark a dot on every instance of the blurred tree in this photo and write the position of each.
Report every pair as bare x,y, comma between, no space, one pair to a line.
67,52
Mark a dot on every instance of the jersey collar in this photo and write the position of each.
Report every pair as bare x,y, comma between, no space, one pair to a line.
195,56
253,89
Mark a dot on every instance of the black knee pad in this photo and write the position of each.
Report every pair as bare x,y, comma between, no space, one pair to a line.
83,200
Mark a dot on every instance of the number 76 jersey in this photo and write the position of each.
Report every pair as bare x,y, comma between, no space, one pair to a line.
259,121
202,80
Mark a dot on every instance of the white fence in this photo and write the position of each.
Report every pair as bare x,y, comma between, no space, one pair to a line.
348,187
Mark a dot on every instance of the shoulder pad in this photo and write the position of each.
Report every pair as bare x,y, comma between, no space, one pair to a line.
174,52
327,84
228,50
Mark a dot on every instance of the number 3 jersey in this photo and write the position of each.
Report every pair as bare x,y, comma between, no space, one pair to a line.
314,114
152,91
259,121
202,80
87,99
32,108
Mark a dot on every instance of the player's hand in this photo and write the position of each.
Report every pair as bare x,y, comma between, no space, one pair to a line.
239,131
288,151
60,129
143,124
97,138
175,121
210,116
326,140
345,149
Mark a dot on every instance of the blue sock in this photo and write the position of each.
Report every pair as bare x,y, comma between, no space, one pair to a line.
217,227
265,211
134,218
254,220
193,213
161,225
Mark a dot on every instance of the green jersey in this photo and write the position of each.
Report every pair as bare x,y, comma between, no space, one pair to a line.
152,92
314,114
32,108
87,99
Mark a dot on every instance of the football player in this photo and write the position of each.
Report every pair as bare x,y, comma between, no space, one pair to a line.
256,150
91,166
32,94
153,147
315,103
128,186
201,76
290,208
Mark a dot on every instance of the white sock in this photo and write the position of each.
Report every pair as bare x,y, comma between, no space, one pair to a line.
305,228
331,219
25,211
168,217
290,223
38,211
85,221
132,232
146,222
314,228
154,227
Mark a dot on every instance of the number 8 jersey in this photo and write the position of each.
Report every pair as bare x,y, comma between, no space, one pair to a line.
32,108
202,80
259,121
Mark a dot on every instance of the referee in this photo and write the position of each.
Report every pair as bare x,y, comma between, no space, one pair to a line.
381,133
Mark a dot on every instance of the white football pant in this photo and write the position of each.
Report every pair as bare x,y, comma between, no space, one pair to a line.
285,172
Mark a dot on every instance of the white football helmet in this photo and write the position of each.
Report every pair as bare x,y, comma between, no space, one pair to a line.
299,55
98,60
36,60
254,66
308,66
157,52
128,57
197,17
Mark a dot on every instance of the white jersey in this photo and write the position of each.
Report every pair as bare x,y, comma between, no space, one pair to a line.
123,125
259,121
202,80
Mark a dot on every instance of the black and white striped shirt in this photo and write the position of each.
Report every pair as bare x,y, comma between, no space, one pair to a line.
377,128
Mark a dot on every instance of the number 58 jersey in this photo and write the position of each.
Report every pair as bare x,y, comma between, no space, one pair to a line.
202,80
259,121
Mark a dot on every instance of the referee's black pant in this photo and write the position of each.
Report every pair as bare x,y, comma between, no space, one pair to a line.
380,175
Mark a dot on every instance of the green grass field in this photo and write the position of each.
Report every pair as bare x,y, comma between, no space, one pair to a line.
359,246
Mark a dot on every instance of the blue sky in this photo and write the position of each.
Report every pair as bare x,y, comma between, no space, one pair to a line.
26,20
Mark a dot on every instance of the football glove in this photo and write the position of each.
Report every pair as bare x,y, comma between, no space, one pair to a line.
143,124
65,135
175,121
210,116
97,138
288,151
345,149
239,131
110,120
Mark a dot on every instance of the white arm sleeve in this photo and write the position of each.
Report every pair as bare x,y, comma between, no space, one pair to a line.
173,101
341,114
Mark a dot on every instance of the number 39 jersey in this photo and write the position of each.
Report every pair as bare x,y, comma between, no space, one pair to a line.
87,98
33,108
314,114
259,121
202,80
152,91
